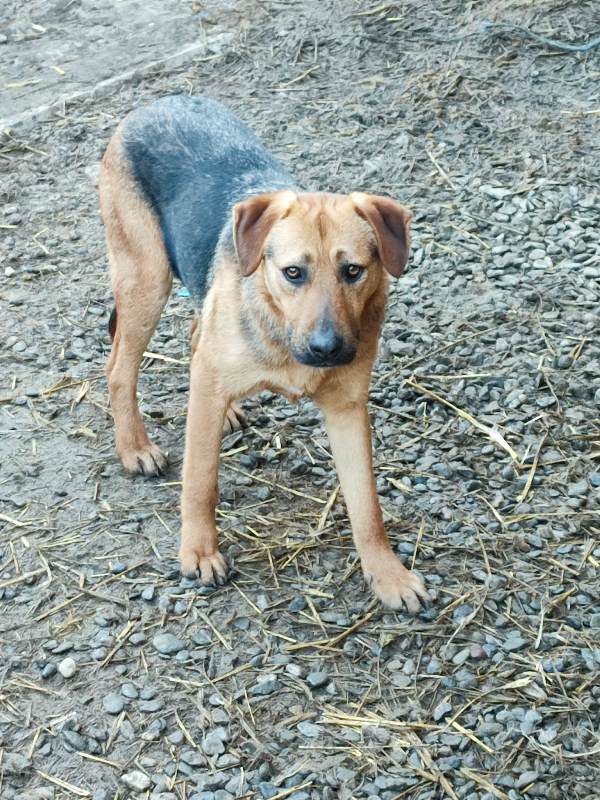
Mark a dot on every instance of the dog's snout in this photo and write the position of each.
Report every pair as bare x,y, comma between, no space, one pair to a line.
325,343
326,346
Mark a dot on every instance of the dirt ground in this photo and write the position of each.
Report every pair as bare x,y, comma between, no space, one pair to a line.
290,681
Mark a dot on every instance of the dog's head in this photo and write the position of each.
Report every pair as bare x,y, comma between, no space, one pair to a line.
322,257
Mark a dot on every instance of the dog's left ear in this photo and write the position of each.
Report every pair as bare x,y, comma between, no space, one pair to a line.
252,222
391,225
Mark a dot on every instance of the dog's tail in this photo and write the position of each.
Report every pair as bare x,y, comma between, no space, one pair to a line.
112,323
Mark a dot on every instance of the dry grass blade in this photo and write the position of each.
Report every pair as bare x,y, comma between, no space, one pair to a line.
328,506
492,434
68,787
481,781
531,475
334,639
335,717
19,578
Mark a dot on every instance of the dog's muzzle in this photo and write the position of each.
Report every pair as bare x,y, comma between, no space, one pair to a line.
325,347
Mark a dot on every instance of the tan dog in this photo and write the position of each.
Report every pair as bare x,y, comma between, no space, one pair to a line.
291,289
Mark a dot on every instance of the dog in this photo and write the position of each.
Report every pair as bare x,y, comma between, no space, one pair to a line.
290,288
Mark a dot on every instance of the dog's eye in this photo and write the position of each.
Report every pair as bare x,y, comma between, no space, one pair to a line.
352,272
293,274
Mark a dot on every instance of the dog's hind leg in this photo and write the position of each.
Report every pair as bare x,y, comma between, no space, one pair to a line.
141,281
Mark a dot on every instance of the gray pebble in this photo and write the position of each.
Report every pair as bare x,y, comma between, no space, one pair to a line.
548,734
577,489
267,685
192,757
267,790
49,670
136,780
317,679
201,637
514,643
309,729
441,710
526,778
167,644
113,703
530,722
148,594
297,604
213,742
130,691
67,667
151,706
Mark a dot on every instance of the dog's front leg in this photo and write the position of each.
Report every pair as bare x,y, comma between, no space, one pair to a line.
349,432
199,550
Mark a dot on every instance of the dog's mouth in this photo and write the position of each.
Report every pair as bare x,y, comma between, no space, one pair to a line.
310,359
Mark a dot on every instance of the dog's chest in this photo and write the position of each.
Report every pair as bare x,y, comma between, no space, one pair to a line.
295,383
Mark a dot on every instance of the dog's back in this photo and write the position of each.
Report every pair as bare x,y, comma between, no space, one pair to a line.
191,159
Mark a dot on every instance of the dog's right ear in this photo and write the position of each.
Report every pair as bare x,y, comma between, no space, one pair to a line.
252,222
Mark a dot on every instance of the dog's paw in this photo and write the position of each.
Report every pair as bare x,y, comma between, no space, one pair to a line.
212,569
395,585
235,420
149,460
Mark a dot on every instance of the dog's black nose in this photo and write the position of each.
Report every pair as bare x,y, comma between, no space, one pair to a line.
325,344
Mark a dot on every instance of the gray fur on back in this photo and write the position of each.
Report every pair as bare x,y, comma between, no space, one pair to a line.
192,160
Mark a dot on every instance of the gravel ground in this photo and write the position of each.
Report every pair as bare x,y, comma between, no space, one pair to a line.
119,679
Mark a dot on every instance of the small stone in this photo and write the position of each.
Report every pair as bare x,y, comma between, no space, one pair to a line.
201,638
136,780
309,729
514,643
267,685
193,758
530,721
563,362
548,734
210,781
167,644
577,489
317,679
67,667
213,743
50,670
476,651
496,192
113,703
526,778
461,656
297,604
74,741
267,790
450,763
440,711
151,706
148,594
130,691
